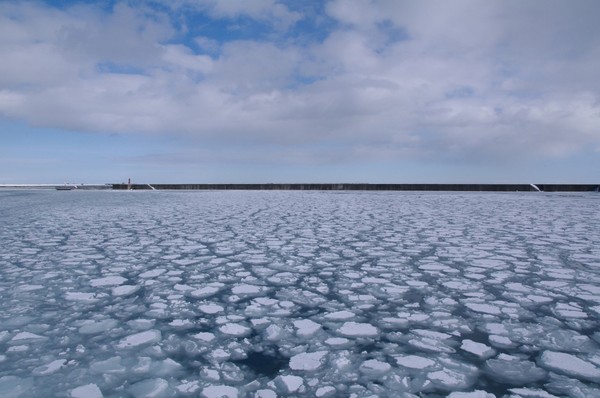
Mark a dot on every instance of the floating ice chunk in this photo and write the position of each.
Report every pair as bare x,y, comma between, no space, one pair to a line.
393,323
569,365
308,360
49,368
289,384
143,365
185,261
539,299
231,373
188,388
478,349
566,340
374,280
496,328
435,267
267,301
167,367
181,324
204,336
433,345
283,278
340,315
512,370
150,388
306,327
219,355
564,310
431,334
246,290
211,308
18,348
124,290
183,288
373,367
501,341
475,276
27,337
234,329
484,308
459,285
141,324
337,341
531,392
414,362
473,394
111,366
112,280
87,391
81,296
30,288
142,338
210,374
326,391
98,327
418,317
448,379
204,292
518,287
355,329
273,333
590,288
153,273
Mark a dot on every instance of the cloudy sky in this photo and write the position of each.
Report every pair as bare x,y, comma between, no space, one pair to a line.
300,91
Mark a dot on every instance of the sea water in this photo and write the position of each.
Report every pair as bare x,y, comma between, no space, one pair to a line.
273,293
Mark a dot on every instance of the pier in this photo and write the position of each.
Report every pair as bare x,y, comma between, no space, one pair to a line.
370,187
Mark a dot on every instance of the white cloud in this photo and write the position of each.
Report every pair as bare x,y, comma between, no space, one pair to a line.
465,79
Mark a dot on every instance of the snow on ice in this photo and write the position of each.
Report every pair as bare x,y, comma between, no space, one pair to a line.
274,294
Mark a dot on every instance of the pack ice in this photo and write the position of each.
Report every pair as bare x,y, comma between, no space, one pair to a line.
305,294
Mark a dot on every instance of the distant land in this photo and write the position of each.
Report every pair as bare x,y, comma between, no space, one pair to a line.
325,187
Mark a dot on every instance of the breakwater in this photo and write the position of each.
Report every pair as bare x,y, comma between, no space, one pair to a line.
371,187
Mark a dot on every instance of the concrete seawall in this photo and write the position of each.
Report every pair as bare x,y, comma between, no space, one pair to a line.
371,187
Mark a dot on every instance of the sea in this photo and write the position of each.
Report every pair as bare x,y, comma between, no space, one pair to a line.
305,294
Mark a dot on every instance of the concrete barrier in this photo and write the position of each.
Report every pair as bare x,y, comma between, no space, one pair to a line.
372,187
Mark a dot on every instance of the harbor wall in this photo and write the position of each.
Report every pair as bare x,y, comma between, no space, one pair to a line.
370,187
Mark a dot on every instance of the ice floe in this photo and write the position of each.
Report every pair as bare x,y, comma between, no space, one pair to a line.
289,384
108,281
142,338
125,290
234,329
513,370
480,350
306,327
570,365
308,361
356,329
87,391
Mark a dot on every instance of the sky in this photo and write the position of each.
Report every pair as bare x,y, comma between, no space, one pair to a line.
258,91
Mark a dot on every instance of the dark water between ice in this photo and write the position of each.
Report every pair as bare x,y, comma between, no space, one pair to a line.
241,293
